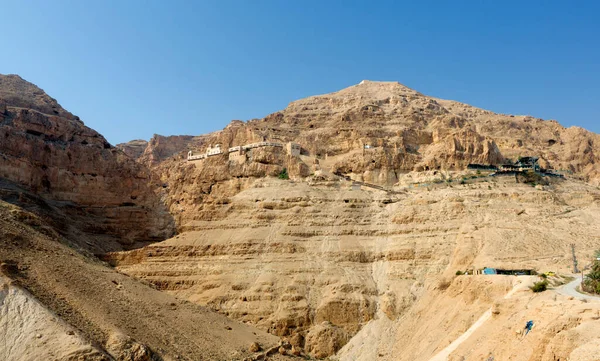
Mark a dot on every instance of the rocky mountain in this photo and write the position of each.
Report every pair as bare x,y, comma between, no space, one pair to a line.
133,148
353,249
324,263
50,152
60,304
65,195
407,131
159,148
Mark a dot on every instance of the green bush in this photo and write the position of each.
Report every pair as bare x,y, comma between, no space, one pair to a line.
284,174
459,273
592,279
540,286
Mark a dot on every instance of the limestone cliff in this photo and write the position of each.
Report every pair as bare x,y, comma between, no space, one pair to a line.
52,153
380,130
316,260
158,149
134,148
350,247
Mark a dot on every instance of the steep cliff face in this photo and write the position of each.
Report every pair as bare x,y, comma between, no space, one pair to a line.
317,261
377,131
53,154
314,259
158,149
134,148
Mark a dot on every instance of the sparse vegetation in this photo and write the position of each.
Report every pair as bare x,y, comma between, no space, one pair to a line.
592,280
459,273
540,286
532,179
283,174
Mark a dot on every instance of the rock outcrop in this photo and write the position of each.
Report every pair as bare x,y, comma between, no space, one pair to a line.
53,154
380,130
159,148
134,148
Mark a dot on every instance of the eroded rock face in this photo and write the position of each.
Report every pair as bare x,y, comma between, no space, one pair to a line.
377,131
316,262
51,152
314,259
158,149
134,148
310,259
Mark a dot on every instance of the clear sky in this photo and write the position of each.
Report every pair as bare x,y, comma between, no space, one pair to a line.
133,68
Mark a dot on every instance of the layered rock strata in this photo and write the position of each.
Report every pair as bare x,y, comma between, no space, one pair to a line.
52,153
316,261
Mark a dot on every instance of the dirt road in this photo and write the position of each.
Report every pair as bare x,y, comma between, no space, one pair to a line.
570,289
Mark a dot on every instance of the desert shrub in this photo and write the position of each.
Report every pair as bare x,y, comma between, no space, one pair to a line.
543,275
592,279
459,273
540,286
283,174
595,272
532,178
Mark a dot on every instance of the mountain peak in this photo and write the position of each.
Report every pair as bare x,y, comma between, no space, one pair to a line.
18,92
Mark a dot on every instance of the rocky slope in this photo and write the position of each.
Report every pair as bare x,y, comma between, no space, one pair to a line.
77,308
159,148
316,261
49,151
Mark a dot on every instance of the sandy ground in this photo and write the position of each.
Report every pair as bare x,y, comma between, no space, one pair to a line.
445,353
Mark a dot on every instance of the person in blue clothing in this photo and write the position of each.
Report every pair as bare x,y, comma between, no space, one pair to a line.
528,327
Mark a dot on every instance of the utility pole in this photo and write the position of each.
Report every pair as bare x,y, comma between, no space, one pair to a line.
575,270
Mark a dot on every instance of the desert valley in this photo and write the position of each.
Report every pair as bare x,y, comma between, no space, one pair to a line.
372,223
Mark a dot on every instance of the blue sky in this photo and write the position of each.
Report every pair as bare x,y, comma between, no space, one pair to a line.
133,68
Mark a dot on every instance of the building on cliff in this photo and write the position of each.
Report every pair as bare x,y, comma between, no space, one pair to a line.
237,153
523,164
293,149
